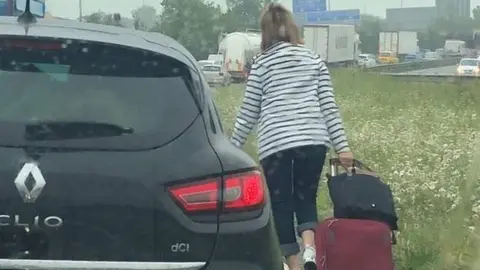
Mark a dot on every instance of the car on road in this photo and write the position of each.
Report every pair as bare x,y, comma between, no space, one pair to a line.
203,63
388,57
432,56
113,156
468,67
366,60
412,58
216,75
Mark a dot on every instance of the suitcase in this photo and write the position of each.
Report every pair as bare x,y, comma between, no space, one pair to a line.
353,244
361,194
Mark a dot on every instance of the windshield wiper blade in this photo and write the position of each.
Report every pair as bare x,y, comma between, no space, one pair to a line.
62,130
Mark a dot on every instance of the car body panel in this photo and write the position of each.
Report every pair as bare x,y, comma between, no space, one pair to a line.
114,205
235,246
96,194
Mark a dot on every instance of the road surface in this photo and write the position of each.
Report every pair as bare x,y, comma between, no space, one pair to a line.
449,70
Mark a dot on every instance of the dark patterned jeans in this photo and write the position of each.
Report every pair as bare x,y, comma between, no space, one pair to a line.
292,177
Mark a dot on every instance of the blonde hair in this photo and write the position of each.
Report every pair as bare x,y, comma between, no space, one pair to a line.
277,24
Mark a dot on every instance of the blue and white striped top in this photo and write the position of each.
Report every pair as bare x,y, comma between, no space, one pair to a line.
290,97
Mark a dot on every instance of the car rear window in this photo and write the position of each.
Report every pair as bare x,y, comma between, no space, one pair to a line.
469,62
211,68
63,82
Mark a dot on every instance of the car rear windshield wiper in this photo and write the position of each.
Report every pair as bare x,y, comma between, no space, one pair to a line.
62,130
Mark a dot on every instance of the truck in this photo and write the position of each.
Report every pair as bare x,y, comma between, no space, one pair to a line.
336,44
455,48
397,43
238,50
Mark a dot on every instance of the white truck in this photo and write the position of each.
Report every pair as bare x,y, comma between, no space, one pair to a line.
238,50
400,43
455,48
337,44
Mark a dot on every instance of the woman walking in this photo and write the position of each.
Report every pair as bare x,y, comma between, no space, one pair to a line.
290,96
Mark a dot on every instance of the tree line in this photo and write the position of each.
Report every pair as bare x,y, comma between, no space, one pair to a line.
198,24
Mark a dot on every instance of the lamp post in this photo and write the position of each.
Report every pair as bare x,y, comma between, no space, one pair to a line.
80,10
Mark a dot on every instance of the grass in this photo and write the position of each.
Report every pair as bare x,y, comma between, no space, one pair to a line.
423,139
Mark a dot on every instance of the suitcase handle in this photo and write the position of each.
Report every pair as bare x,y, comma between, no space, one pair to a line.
358,167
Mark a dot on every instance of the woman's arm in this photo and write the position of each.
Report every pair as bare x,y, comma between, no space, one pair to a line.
330,111
250,110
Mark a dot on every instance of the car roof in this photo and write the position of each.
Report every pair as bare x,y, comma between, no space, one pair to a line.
69,29
469,59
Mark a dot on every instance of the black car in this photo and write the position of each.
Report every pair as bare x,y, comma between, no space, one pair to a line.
113,156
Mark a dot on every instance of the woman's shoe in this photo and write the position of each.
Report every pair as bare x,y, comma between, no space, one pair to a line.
309,258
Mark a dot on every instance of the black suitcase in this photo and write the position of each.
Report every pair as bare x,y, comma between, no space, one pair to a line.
361,194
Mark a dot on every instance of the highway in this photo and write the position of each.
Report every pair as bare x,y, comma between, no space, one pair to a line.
449,70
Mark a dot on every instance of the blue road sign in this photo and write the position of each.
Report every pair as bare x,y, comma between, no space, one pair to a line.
37,7
3,8
302,6
333,16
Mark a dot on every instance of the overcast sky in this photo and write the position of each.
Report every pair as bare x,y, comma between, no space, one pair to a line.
70,8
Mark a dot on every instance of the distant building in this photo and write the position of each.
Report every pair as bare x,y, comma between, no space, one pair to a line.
410,19
453,8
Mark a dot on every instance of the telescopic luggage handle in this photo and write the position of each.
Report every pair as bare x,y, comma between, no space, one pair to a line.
357,165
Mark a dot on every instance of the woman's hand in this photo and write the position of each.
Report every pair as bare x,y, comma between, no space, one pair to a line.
346,159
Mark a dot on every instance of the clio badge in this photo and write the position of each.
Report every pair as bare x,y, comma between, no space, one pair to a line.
29,192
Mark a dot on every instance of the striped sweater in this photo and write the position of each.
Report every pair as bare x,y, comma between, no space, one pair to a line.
289,96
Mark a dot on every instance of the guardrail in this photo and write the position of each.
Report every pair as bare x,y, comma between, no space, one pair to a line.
415,65
436,78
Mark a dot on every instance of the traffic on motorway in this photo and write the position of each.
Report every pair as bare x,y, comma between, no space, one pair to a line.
465,67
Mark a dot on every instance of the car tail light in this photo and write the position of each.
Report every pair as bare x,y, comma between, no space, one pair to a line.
241,192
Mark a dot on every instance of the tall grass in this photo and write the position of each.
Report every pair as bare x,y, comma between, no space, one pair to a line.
424,140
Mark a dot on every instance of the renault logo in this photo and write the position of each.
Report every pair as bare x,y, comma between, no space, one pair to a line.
30,182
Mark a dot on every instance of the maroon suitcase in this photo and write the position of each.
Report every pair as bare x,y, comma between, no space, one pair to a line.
353,244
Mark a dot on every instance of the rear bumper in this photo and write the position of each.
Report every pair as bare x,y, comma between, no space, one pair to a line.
237,75
248,245
463,74
94,265
245,265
